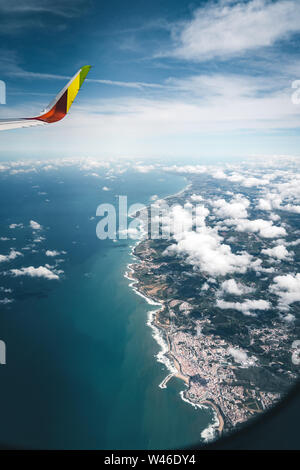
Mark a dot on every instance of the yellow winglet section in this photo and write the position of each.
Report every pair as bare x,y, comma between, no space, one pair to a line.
72,91
76,85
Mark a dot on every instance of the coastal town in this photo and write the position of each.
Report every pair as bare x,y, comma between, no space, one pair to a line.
237,364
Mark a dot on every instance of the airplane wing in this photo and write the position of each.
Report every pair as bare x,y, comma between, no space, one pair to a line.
56,110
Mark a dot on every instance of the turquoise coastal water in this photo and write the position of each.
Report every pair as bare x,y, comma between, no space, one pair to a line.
81,369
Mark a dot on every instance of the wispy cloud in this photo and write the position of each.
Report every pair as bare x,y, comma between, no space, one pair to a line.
19,16
64,8
138,85
16,71
229,28
36,75
9,63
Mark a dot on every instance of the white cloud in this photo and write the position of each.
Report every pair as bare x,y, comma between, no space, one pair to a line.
246,307
236,208
244,180
218,174
39,239
278,252
242,357
294,243
22,171
205,286
205,251
188,169
285,194
258,268
264,205
232,287
132,232
289,318
227,28
41,271
35,225
251,182
247,180
264,228
291,208
89,163
287,288
105,188
13,226
270,202
144,168
196,198
11,256
203,247
6,301
179,219
6,290
274,217
53,253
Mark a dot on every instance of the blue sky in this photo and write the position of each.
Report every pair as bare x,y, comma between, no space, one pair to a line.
170,79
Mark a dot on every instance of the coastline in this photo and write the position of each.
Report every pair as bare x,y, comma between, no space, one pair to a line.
160,335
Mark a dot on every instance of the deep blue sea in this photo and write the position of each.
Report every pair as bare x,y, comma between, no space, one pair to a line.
81,370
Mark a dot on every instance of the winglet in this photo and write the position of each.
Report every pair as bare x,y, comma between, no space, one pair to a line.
61,105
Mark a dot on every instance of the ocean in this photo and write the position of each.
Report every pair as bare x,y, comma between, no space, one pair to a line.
81,369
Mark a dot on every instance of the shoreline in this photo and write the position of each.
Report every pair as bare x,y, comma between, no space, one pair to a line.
165,355
172,364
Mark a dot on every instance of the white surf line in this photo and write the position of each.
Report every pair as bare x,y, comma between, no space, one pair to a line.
209,433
